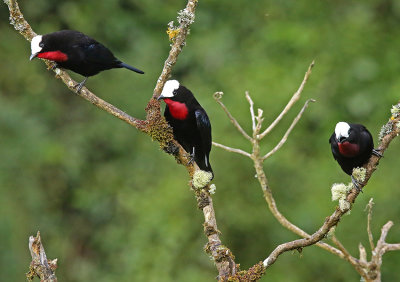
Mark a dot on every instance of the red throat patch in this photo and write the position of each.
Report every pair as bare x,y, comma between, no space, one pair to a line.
56,56
178,110
348,149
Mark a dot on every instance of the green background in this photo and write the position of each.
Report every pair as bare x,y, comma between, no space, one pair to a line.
111,206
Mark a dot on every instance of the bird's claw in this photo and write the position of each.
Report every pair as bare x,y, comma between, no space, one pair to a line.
377,153
356,184
54,67
191,159
80,85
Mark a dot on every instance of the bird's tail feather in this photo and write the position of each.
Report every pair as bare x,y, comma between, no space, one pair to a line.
123,65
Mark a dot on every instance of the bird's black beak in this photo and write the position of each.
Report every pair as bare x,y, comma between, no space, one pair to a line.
341,139
161,97
33,56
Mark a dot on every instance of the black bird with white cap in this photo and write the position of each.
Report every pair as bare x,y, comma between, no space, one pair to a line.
352,146
75,51
189,121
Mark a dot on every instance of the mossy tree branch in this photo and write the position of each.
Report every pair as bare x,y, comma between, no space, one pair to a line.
154,125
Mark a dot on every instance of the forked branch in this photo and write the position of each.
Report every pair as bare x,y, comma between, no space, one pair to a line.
288,131
292,101
217,97
330,221
370,271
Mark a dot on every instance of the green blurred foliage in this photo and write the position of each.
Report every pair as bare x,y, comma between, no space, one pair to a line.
112,207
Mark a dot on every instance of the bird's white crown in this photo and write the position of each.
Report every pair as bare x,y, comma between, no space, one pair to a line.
342,129
169,87
35,48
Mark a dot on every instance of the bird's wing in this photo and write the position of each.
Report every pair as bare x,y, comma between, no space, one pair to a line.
97,53
368,143
204,126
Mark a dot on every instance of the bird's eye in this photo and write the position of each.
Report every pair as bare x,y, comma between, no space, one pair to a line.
174,92
41,44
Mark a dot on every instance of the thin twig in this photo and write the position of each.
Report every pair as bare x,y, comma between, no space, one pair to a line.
259,119
233,150
392,247
352,260
287,133
378,252
384,232
292,101
251,103
369,219
363,253
217,97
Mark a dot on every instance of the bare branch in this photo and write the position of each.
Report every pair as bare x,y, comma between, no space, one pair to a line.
40,266
292,101
287,133
363,253
253,121
369,219
384,232
217,97
233,150
378,252
353,261
392,247
259,120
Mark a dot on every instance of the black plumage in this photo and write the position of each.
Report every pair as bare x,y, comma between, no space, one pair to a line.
76,51
352,145
190,123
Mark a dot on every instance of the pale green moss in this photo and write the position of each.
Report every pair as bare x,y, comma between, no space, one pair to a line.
344,205
213,188
201,178
339,191
331,232
385,130
395,110
185,17
359,173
